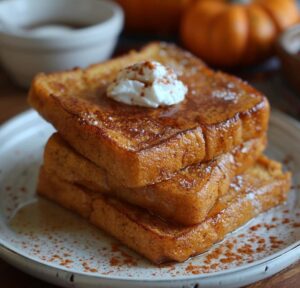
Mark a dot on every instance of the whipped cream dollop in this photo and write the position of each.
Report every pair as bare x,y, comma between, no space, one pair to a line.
148,84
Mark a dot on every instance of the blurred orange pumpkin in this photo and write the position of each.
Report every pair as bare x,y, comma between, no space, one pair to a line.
230,34
153,16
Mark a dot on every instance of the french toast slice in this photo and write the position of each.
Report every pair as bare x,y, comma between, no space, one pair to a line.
186,198
260,188
140,146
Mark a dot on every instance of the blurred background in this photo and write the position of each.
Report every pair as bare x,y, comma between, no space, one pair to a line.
257,40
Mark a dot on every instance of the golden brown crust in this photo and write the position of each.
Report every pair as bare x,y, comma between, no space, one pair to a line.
140,146
262,187
185,198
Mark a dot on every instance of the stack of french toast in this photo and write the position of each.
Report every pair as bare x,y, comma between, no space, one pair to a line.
167,182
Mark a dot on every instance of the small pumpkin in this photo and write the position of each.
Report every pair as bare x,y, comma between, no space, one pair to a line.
153,16
231,33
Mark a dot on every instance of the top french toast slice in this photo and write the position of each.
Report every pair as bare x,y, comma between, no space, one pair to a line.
140,146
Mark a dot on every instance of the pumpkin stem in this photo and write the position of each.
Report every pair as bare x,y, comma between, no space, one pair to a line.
239,1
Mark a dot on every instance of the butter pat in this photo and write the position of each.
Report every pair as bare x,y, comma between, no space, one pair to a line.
147,84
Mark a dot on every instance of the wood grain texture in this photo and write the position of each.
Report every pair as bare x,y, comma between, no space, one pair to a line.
13,278
12,98
290,277
13,101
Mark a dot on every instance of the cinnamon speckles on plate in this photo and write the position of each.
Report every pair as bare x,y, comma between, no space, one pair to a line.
47,234
256,241
57,237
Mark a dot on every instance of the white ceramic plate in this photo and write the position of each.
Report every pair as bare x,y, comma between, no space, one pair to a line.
48,242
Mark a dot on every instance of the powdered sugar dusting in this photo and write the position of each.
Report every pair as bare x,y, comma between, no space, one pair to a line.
226,95
88,118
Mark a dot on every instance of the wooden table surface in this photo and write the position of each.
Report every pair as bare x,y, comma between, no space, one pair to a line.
13,101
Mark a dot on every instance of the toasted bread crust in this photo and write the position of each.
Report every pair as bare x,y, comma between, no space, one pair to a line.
260,188
140,146
186,198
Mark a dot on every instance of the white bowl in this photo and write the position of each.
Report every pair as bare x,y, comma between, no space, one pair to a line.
37,35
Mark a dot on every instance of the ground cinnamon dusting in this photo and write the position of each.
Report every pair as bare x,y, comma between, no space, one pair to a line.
122,259
214,266
66,262
286,221
246,249
229,245
129,260
114,261
275,243
255,227
287,159
269,226
115,247
196,269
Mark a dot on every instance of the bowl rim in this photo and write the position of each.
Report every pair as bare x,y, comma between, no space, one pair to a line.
282,42
114,23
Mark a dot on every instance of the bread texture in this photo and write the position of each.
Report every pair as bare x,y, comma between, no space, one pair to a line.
140,146
260,188
186,198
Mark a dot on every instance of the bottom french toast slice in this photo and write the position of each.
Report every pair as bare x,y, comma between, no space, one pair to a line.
186,198
260,188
